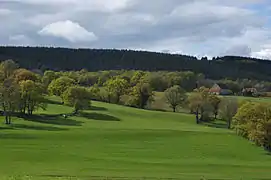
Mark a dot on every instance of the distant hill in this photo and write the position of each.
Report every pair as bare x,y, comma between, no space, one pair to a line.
44,58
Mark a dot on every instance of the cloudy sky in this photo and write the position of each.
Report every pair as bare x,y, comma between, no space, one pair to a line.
194,27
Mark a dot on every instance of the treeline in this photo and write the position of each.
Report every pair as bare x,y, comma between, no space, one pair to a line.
63,59
251,120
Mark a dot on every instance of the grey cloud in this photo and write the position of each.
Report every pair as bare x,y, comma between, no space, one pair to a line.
187,26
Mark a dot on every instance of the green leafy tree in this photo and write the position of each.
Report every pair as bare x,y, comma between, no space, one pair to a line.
214,101
195,102
24,74
175,96
31,96
199,104
253,121
138,77
158,81
7,68
95,92
116,87
141,94
48,77
9,98
227,109
58,86
77,97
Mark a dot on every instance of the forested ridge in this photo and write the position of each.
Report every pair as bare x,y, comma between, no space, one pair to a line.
49,58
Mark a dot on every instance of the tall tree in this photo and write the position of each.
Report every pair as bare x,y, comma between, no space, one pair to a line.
214,102
199,104
116,87
227,109
175,96
142,94
8,67
253,121
58,86
24,74
77,97
9,98
31,96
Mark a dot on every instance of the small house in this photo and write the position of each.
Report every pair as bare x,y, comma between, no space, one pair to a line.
220,89
249,92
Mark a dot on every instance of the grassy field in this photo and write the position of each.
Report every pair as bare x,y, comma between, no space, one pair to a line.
115,142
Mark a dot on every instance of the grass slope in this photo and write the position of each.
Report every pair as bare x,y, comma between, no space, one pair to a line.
124,143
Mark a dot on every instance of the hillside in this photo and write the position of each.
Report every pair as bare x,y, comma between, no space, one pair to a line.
106,59
123,143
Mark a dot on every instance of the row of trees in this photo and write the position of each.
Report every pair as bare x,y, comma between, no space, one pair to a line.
111,59
159,81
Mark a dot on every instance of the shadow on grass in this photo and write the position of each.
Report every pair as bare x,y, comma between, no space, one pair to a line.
157,109
49,101
216,124
53,119
17,136
34,127
6,128
98,116
96,108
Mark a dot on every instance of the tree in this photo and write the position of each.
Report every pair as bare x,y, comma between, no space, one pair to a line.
58,86
31,96
227,109
253,121
142,94
9,98
175,96
48,77
116,87
95,92
77,97
24,74
8,67
137,77
158,81
214,101
199,104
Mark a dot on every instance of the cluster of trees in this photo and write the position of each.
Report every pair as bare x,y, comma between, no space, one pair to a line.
208,107
253,121
20,90
62,59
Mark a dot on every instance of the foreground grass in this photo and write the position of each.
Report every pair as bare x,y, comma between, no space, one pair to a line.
115,142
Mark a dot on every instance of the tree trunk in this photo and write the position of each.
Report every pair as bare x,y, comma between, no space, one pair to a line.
9,119
229,123
197,115
6,119
174,108
118,99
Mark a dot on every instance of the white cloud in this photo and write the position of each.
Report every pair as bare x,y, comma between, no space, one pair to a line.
264,53
69,30
198,27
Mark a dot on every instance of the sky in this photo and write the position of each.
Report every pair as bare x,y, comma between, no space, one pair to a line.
193,27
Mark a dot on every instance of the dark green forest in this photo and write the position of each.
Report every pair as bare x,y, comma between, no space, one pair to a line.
64,59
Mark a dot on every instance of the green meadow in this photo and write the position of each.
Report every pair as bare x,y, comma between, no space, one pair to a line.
117,142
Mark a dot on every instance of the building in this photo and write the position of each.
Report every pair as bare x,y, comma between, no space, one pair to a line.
249,92
220,89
